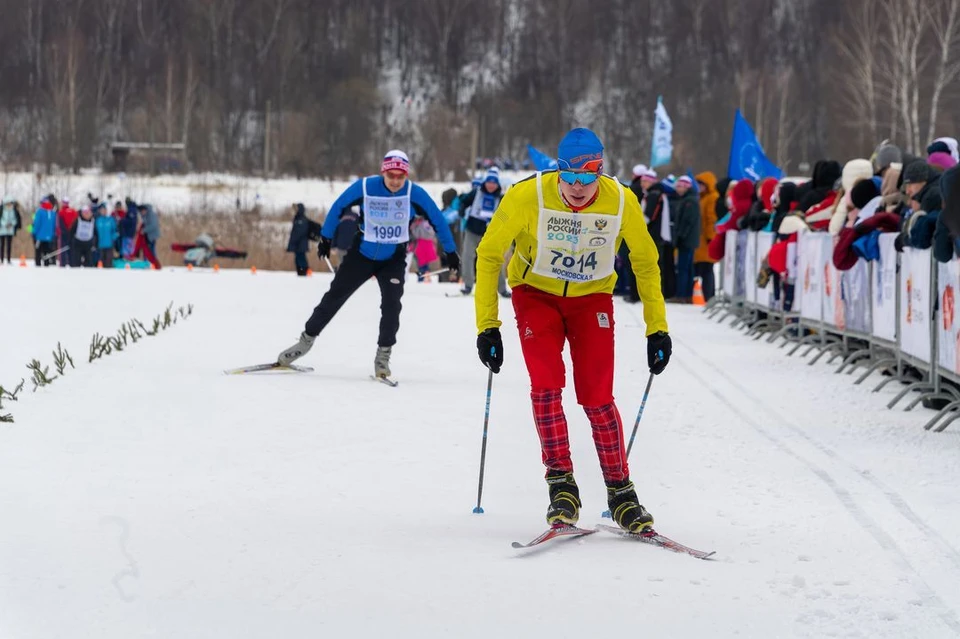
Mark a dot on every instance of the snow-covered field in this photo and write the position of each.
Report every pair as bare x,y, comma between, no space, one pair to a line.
149,495
199,192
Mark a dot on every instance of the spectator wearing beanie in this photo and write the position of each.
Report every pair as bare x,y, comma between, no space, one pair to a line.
922,187
761,211
885,157
817,204
942,153
686,213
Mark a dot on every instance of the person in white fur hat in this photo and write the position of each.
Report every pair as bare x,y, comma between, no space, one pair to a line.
853,172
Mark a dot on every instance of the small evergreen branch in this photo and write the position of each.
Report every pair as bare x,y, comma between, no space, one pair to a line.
61,358
135,327
41,376
5,394
94,347
6,419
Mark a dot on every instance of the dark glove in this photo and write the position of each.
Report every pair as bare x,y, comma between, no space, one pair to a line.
453,261
490,348
323,248
659,347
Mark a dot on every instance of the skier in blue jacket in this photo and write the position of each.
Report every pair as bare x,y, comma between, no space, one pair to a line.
44,233
388,202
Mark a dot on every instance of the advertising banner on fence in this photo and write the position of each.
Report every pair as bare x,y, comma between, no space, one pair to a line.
915,303
750,268
948,324
764,295
884,290
809,276
833,313
855,285
739,276
793,278
729,261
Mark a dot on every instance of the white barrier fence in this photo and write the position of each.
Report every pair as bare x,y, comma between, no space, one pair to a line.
902,308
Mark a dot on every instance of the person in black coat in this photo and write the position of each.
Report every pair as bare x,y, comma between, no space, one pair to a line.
304,229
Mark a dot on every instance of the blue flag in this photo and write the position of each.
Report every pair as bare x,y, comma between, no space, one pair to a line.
540,160
747,159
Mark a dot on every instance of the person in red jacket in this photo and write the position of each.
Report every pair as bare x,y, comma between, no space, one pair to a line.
741,200
66,218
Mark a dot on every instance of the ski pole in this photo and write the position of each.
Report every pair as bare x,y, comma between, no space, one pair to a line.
436,272
483,448
55,253
636,424
329,265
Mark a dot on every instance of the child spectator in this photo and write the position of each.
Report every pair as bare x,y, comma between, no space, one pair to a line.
423,243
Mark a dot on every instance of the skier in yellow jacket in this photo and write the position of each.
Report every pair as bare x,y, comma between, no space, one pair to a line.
567,225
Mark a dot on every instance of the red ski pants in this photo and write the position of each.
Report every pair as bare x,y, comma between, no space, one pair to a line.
545,322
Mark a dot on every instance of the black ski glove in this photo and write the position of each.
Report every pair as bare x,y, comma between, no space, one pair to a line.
323,248
453,261
490,349
659,347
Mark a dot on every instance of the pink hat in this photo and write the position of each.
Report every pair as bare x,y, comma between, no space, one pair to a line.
943,160
685,179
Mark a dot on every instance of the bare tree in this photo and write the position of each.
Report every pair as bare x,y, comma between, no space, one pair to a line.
859,49
944,17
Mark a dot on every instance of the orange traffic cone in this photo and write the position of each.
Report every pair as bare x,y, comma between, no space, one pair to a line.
126,266
189,267
698,293
99,263
309,272
216,268
253,270
23,260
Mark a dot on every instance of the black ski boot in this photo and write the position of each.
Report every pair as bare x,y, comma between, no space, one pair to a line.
564,505
626,509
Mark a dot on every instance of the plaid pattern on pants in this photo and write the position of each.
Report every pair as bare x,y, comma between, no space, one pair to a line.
555,441
552,429
608,438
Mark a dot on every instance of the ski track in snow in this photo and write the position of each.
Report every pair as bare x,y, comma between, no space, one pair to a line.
148,494
869,524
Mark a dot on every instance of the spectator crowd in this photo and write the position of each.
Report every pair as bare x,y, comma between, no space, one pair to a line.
87,236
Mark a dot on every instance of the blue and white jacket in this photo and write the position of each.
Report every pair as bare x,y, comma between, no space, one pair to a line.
420,204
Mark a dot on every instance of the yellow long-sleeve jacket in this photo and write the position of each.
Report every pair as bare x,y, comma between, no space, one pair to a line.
516,219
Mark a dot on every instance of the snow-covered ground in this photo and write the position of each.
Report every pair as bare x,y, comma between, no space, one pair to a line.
199,192
148,494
